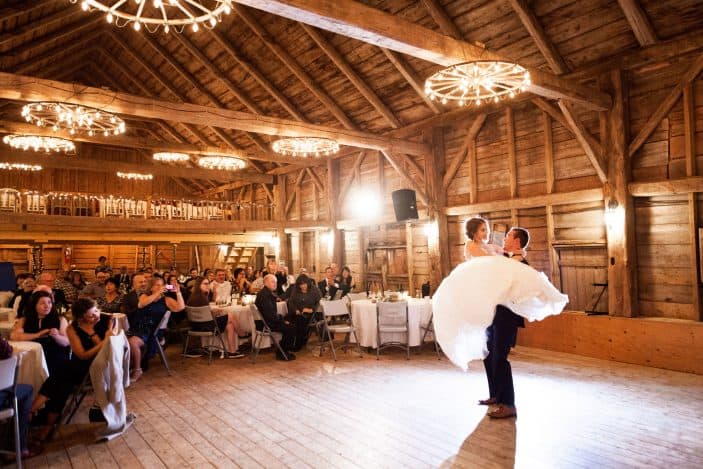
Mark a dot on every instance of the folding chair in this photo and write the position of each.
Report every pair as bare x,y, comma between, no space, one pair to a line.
8,382
258,335
356,296
392,317
204,314
337,309
429,328
76,399
155,337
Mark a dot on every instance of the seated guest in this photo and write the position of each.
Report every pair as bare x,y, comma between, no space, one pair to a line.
152,308
42,324
23,392
271,268
86,338
346,283
102,266
48,279
221,288
75,285
266,304
328,286
176,316
226,322
130,302
251,276
302,303
188,285
241,284
96,289
111,302
28,286
124,282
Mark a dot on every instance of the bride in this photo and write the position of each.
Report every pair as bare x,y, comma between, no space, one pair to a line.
477,245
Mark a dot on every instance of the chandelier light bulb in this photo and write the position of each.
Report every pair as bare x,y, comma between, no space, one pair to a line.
155,14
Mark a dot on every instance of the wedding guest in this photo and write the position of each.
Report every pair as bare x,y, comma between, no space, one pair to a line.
266,304
111,302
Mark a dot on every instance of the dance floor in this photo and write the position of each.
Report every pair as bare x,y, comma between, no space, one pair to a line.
363,413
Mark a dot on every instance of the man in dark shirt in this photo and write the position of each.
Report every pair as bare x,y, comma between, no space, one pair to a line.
266,304
59,297
328,286
502,334
130,303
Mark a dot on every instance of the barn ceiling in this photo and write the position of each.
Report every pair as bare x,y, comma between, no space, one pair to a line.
268,65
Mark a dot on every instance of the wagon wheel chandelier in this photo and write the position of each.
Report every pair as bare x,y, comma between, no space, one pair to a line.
305,146
74,118
154,14
40,143
477,82
227,163
135,176
171,157
19,167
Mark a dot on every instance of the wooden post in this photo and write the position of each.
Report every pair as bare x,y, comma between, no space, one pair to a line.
280,201
549,151
363,259
689,127
439,257
332,192
622,258
381,179
512,159
410,250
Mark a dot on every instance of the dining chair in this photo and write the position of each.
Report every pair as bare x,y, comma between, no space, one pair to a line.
8,383
356,296
392,318
258,335
334,311
429,329
204,314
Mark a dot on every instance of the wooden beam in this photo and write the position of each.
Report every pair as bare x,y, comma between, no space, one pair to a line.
555,277
346,186
38,61
548,152
665,106
512,158
367,24
101,166
294,67
623,295
469,141
667,187
410,257
269,194
352,76
557,198
315,179
473,174
559,116
9,13
579,131
38,25
640,24
406,177
257,75
437,195
22,88
409,74
291,199
693,227
443,20
544,44
689,129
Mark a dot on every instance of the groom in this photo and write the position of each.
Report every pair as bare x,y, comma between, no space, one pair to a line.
502,334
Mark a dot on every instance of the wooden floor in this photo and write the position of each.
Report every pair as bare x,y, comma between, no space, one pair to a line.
363,413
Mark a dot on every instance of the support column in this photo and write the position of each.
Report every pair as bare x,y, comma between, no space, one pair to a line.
689,128
439,257
332,191
620,225
280,198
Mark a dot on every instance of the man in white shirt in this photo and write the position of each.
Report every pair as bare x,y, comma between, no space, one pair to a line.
221,288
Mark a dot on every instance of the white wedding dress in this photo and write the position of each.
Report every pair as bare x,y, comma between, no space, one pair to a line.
465,302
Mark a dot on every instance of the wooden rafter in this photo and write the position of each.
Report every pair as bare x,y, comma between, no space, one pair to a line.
296,191
557,198
38,61
443,20
667,187
367,24
666,105
579,132
344,188
22,88
28,7
544,44
469,141
351,74
640,24
559,116
294,67
402,66
315,179
406,177
39,25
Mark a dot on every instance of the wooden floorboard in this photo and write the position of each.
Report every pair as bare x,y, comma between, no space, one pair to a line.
359,413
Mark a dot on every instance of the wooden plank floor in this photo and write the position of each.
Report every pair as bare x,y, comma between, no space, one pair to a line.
363,413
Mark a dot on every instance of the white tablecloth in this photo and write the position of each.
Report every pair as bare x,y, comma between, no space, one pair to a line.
364,320
31,363
245,319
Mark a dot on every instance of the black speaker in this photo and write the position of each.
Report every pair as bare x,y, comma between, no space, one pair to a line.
404,204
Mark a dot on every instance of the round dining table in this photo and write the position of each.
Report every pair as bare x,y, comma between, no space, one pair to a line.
364,319
245,319
31,363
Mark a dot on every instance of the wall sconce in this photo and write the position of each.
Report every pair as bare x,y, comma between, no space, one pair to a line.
431,230
614,216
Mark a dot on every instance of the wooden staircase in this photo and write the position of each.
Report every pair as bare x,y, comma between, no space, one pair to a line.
240,256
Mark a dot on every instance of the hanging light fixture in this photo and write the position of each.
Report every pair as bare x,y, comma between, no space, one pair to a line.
20,167
171,157
135,176
40,143
74,118
228,163
155,14
305,146
477,82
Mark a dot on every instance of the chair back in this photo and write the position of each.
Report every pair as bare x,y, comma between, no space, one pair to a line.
334,308
199,313
256,315
8,368
356,296
392,313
